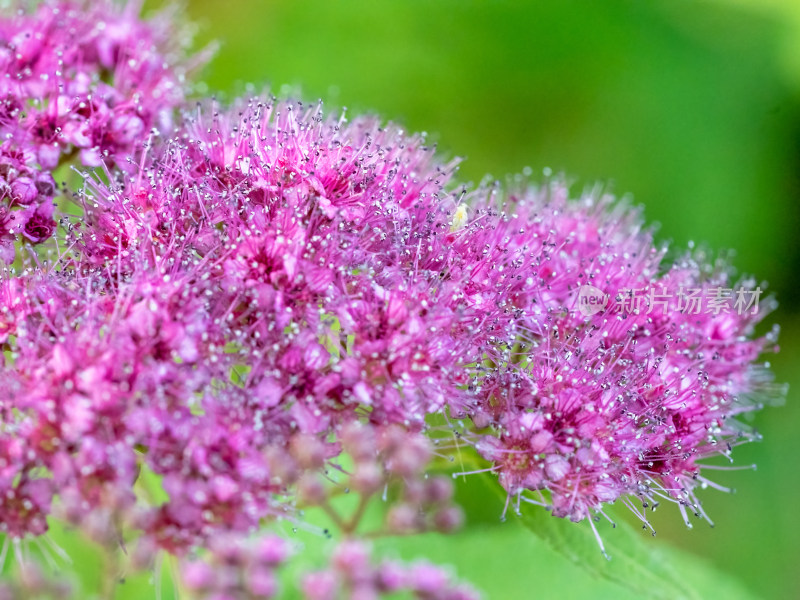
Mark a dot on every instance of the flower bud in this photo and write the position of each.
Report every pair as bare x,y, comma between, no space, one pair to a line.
352,559
310,490
308,451
23,190
403,518
261,583
368,478
198,576
321,585
359,442
448,520
438,490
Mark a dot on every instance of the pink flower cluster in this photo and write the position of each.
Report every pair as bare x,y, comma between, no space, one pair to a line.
26,200
76,78
236,569
352,575
268,306
594,408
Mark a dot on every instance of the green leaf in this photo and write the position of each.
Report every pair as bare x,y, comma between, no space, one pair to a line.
638,563
504,561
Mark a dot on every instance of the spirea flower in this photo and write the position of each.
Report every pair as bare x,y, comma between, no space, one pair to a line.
590,408
76,78
267,308
26,200
236,569
353,574
308,233
326,269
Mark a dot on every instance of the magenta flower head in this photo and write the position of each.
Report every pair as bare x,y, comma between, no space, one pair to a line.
267,310
76,78
308,231
342,264
611,372
26,200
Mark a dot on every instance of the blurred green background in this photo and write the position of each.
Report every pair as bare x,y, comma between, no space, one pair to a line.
692,107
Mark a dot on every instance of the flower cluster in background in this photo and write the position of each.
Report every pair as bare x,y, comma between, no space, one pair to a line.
262,307
77,79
